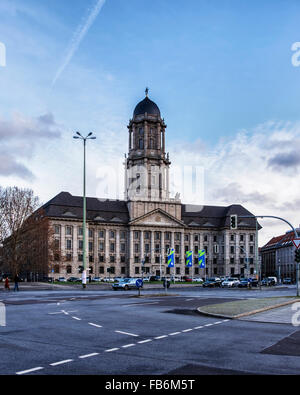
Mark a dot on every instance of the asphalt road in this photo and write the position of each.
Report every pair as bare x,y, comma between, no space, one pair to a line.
101,332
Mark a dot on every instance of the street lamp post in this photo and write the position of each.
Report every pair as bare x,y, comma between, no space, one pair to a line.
88,137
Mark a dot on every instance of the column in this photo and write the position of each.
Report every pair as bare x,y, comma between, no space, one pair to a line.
106,249
131,253
142,246
162,251
152,247
117,261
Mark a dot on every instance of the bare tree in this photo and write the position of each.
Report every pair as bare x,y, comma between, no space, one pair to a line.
16,206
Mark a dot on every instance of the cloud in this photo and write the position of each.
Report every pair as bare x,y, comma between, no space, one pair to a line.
243,170
19,138
285,160
78,37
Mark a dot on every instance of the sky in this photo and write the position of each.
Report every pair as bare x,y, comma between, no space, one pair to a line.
224,73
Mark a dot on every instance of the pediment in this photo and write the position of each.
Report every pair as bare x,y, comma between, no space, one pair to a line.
157,217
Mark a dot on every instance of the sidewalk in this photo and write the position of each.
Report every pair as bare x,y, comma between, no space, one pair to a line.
265,309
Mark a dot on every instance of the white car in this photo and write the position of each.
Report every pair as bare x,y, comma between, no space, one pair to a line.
198,279
230,282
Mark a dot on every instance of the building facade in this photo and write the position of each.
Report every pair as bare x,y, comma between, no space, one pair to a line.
123,236
278,257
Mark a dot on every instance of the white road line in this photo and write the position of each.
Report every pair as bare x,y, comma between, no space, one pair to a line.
112,349
127,333
128,345
174,333
30,370
58,312
199,327
218,322
187,330
161,337
208,325
76,318
145,341
187,300
96,325
89,355
225,320
61,362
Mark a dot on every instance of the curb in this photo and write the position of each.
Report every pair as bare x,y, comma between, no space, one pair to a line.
237,316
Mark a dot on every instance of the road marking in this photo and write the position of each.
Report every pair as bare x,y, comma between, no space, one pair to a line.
218,322
127,333
187,300
208,325
174,333
128,345
161,337
89,355
30,370
139,304
145,341
96,325
61,362
187,330
199,327
112,349
58,312
76,318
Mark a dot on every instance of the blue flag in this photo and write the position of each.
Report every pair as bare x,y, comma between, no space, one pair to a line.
171,258
189,258
202,259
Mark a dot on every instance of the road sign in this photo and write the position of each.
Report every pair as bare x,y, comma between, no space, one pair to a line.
296,243
139,283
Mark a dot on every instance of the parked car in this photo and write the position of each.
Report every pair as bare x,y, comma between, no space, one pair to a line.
268,282
212,283
97,279
146,279
244,283
253,282
188,279
62,280
198,279
230,282
125,283
74,279
274,279
108,279
154,278
287,280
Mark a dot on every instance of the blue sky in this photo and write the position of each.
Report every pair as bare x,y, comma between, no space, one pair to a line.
218,70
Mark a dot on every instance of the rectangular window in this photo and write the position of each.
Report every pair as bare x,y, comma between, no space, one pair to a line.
101,234
101,258
91,232
101,269
69,230
57,229
101,246
112,234
80,244
112,247
136,235
91,246
80,231
231,249
69,244
112,259
196,238
123,270
136,248
123,247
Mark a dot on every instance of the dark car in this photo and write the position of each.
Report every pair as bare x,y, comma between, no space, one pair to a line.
74,279
211,283
287,280
154,278
268,281
244,283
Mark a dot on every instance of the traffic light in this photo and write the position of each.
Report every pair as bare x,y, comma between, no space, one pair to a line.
233,221
297,256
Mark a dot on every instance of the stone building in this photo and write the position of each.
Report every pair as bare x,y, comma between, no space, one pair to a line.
278,256
140,229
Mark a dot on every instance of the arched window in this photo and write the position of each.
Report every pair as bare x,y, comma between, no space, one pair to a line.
151,143
141,144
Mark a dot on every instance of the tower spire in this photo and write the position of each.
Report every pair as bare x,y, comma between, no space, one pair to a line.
146,91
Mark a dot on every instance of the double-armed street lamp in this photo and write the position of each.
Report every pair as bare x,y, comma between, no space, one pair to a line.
88,137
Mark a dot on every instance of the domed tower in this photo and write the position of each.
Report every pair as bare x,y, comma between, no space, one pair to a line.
147,165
